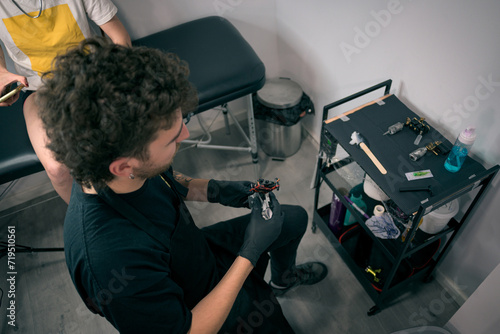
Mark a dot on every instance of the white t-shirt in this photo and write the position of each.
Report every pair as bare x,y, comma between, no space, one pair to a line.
32,44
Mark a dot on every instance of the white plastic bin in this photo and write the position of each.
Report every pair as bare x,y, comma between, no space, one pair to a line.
435,221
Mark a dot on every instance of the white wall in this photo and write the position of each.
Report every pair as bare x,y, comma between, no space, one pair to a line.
441,56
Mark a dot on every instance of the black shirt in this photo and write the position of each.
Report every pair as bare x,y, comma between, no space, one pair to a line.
142,285
119,267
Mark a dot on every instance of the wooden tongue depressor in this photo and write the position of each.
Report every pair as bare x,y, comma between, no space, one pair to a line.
357,139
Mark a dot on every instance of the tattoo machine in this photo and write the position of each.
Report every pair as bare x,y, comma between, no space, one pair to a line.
395,128
374,273
418,153
261,190
436,147
418,126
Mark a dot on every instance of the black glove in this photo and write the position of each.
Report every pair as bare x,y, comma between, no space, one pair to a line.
229,193
261,233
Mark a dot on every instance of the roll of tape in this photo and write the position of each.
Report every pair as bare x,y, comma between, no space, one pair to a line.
378,210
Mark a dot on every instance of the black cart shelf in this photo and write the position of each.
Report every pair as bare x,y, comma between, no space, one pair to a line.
399,256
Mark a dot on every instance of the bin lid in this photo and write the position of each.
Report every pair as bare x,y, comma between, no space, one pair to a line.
280,93
447,211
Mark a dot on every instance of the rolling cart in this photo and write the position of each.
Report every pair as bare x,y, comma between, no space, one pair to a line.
385,267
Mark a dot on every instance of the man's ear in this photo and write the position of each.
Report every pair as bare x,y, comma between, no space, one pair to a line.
122,167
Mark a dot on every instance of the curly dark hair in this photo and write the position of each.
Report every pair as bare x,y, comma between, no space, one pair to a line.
102,101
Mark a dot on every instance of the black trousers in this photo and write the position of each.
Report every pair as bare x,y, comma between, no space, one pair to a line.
283,251
256,309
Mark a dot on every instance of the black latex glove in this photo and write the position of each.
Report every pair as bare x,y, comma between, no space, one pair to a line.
229,193
261,233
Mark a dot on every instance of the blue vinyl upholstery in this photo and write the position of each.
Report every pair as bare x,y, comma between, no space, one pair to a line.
223,65
17,158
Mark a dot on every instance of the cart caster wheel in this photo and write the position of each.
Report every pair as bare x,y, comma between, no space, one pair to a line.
374,310
313,228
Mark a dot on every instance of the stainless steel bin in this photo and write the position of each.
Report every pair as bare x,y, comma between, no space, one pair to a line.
278,107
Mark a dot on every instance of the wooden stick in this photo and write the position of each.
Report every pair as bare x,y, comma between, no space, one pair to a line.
374,159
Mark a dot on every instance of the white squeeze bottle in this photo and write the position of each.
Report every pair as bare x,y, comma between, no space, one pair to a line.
460,150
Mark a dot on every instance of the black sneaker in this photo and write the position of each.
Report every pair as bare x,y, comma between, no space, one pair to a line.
305,274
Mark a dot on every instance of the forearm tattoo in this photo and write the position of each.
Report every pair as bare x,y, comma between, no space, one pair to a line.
181,178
